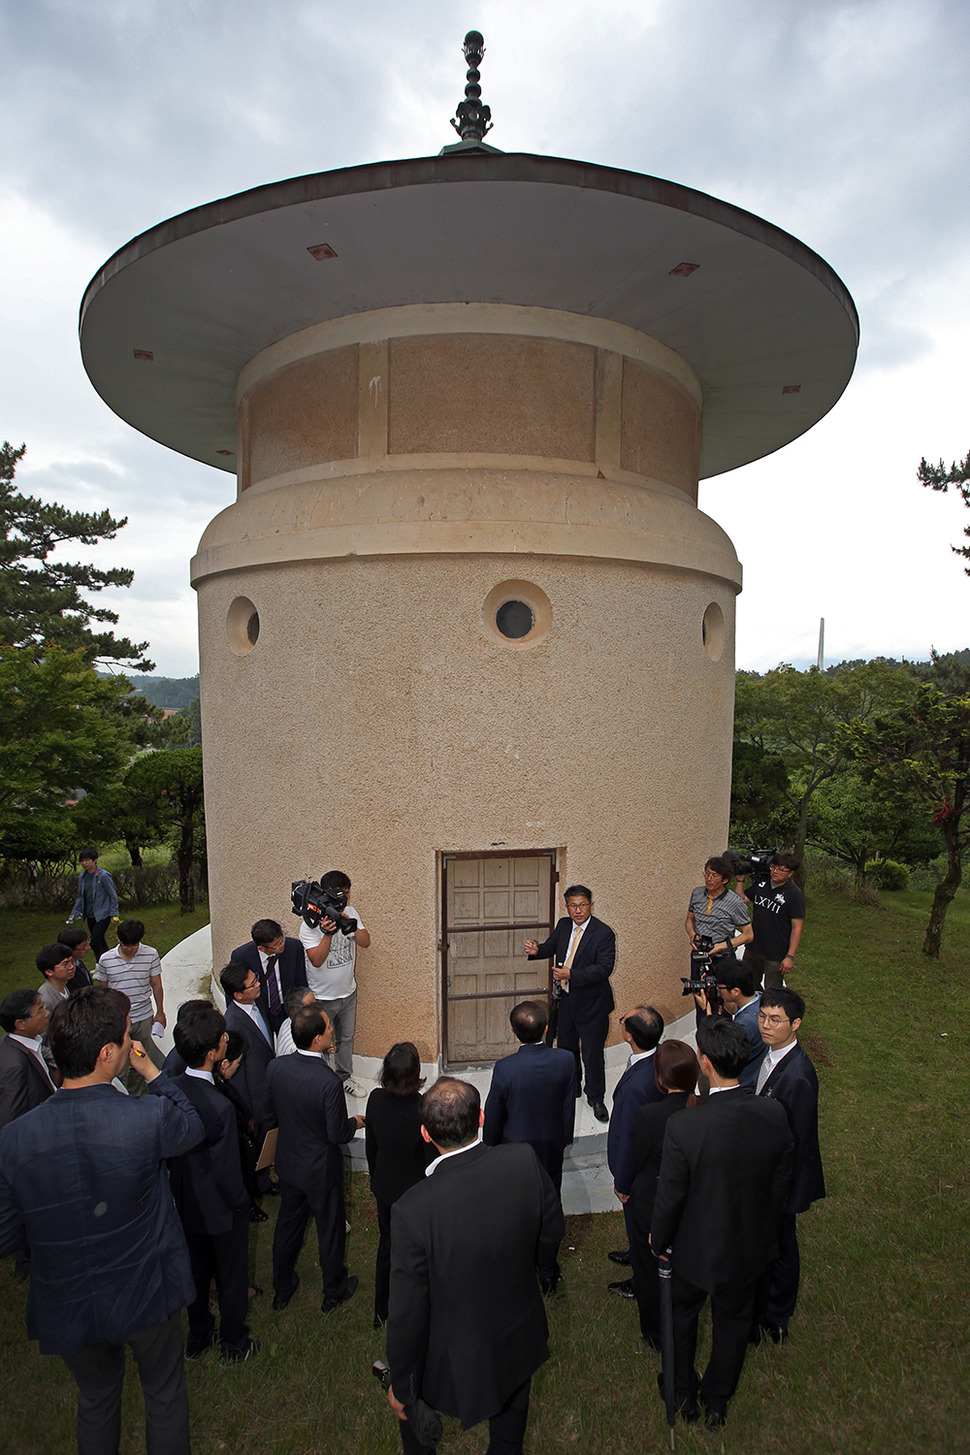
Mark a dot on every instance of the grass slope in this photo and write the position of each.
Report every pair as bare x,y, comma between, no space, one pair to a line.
878,1358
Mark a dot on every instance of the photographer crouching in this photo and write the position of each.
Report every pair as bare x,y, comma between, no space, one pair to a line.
717,923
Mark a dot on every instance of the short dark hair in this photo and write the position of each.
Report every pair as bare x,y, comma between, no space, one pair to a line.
72,936
308,1022
50,956
721,866
235,1047
401,1071
578,891
646,1026
335,879
233,977
528,1020
130,932
97,1016
197,1034
190,1008
736,976
15,1007
294,999
725,1044
265,931
450,1112
784,861
88,854
784,999
675,1064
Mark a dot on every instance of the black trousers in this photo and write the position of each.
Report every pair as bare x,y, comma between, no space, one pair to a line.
586,1039
225,1258
99,1370
296,1209
506,1429
382,1269
731,1312
97,929
646,1278
778,1290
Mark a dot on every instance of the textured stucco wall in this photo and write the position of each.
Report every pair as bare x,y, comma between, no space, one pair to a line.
380,720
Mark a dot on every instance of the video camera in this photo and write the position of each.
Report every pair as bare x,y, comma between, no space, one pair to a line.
313,903
703,978
751,861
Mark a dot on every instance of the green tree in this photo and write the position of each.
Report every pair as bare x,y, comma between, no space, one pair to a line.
760,810
855,820
62,729
797,716
41,599
168,786
940,477
920,752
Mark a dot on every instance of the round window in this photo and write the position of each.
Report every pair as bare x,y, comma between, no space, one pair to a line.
242,626
517,614
515,619
712,631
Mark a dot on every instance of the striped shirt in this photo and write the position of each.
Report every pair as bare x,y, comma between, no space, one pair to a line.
131,977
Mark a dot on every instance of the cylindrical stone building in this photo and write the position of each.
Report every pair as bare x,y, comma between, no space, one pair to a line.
464,632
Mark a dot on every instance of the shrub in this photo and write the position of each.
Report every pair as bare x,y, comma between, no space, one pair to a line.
887,873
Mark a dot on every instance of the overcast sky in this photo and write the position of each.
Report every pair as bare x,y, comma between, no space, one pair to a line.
848,125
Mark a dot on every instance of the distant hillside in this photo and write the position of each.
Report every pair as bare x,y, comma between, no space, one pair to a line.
171,692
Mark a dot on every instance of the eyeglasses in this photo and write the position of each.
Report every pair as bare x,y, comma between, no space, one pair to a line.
773,1020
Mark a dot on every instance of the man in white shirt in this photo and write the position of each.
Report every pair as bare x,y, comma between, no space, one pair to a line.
331,959
292,1002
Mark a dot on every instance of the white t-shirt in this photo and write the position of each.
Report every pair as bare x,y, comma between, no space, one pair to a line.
334,980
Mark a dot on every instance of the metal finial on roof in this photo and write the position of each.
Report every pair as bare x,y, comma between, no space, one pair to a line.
472,120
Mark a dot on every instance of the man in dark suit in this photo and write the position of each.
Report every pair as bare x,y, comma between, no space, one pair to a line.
642,1030
280,964
306,1101
83,1177
532,1099
242,990
735,986
212,1202
24,1078
723,1183
584,952
466,1328
788,1076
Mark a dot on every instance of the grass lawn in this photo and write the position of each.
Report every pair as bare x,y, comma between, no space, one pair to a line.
23,932
878,1358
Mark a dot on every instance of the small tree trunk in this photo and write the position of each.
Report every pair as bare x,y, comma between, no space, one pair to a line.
945,890
186,878
134,853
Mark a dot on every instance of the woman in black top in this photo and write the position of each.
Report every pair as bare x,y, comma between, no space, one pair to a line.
397,1154
676,1071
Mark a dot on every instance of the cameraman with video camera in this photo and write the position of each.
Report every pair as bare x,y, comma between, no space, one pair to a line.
331,957
717,923
778,915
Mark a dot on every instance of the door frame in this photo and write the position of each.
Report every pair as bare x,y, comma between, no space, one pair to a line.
445,857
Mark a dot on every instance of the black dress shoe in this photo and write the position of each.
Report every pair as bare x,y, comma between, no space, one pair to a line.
599,1111
620,1255
549,1285
624,1288
776,1333
329,1304
256,1214
280,1299
239,1356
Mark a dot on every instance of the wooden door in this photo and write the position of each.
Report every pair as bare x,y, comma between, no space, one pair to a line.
492,904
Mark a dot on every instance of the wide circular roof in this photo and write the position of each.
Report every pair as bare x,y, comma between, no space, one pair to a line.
170,320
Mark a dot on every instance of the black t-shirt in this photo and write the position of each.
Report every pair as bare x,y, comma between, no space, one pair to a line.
772,911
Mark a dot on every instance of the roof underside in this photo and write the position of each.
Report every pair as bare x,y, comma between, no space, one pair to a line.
206,291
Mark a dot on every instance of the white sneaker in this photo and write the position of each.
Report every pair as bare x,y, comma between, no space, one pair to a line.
352,1089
